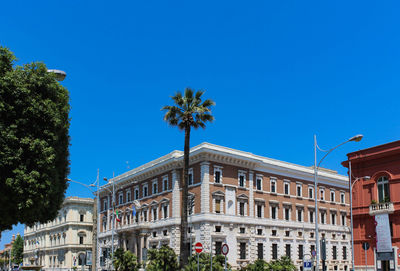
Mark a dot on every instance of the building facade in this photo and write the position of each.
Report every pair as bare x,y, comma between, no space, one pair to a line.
261,207
5,254
63,243
376,206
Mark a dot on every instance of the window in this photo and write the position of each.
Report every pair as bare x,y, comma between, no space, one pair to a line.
334,253
242,230
322,218
145,215
242,179
311,235
128,196
81,218
120,198
273,232
274,251
165,232
333,196
241,208
105,205
218,206
217,174
298,190
190,176
287,214
217,228
165,210
333,219
259,211
383,189
165,183
287,250
273,186
242,251
311,216
300,250
312,248
259,231
344,251
145,191
154,214
260,251
286,187
299,215
136,193
81,240
154,234
259,183
310,192
287,233
155,188
273,212
322,194
218,247
342,200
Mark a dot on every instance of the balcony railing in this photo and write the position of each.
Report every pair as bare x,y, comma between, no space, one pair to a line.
381,208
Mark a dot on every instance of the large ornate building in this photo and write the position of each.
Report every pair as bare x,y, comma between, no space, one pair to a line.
261,207
63,243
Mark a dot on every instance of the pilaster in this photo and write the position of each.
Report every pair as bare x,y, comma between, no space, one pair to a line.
251,195
176,198
205,187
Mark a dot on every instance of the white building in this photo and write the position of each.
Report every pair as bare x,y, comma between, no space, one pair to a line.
62,244
260,207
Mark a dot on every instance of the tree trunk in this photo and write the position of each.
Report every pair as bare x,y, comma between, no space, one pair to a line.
184,253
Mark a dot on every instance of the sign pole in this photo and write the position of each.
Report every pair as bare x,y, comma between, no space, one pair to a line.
225,264
198,265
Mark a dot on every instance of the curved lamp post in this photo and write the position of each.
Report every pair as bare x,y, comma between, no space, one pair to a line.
355,138
60,75
112,220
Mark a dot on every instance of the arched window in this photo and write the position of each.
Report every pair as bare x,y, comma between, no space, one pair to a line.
383,189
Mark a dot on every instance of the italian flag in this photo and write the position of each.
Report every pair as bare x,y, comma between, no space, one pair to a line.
117,216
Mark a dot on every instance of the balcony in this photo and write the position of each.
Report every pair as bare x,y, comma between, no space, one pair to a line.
381,208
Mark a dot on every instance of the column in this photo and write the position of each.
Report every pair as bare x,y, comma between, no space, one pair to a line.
176,198
205,187
251,195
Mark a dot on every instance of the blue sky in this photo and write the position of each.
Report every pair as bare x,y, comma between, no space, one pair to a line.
279,72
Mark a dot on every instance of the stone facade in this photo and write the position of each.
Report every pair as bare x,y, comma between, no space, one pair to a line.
260,207
59,244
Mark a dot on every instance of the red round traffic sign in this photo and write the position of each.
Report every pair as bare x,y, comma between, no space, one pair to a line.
224,249
198,247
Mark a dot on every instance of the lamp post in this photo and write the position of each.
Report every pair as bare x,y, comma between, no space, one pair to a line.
351,210
356,138
112,221
60,75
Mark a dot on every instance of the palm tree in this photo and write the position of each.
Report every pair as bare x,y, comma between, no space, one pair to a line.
189,111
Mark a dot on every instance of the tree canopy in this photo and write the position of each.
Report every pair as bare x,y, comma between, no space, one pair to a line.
34,141
17,250
125,260
163,259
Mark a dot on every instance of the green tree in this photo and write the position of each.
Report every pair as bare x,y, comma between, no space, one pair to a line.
205,264
125,261
258,265
163,259
188,112
34,141
283,264
17,250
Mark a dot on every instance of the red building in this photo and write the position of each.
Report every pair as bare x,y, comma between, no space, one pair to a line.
376,206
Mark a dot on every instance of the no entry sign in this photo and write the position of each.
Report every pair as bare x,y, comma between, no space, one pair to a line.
198,247
224,249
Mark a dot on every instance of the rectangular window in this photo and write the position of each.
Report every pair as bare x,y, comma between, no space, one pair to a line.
334,253
332,196
121,199
342,198
298,188
136,193
310,192
260,251
241,181
81,240
218,246
190,176
273,232
273,186
287,214
273,212
312,248
217,228
241,208
286,187
242,251
343,220
165,184
128,196
322,194
311,217
217,177
81,218
274,251
105,205
259,231
287,250
259,211
299,215
154,214
155,190
145,215
344,250
218,206
165,208
300,252
322,218
333,219
145,192
259,182
242,230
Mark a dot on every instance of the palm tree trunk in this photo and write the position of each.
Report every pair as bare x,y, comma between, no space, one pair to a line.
184,253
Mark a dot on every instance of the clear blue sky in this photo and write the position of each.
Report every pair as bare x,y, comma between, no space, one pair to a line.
279,72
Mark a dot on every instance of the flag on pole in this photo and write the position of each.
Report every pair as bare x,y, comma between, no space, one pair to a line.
117,216
133,211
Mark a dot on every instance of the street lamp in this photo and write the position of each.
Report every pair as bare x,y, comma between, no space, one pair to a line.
59,74
112,220
351,209
355,138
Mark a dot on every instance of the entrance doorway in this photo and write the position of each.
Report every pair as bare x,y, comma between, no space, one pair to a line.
385,265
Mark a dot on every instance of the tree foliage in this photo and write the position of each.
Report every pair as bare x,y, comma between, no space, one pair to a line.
125,260
282,264
34,141
189,110
17,250
205,263
163,259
